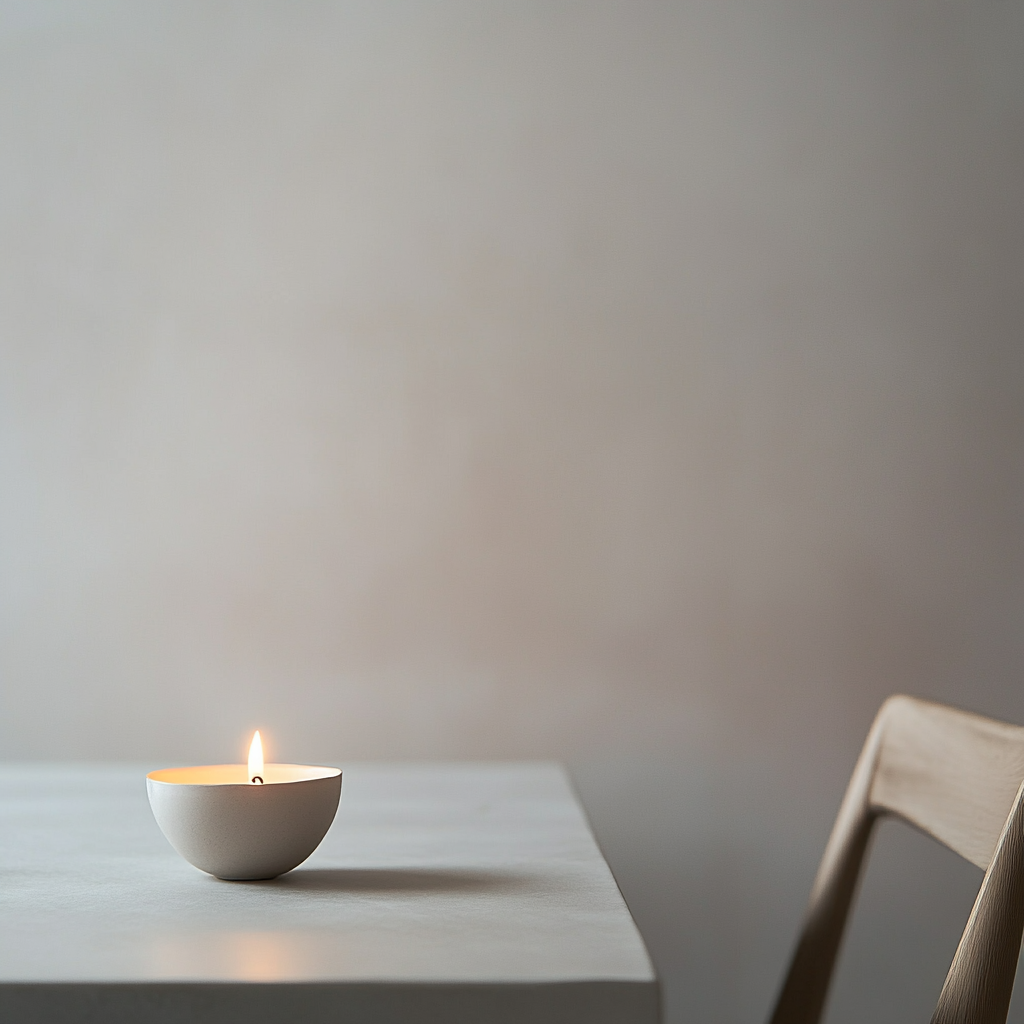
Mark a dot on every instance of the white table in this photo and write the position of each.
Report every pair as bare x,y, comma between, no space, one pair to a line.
443,893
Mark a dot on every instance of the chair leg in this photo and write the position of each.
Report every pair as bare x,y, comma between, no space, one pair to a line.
806,986
980,979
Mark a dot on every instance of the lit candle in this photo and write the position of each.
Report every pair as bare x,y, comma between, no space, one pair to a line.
256,759
245,821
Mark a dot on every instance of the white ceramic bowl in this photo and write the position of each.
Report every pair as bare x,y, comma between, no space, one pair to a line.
220,822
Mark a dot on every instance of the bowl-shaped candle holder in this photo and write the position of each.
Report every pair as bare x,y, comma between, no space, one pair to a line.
224,824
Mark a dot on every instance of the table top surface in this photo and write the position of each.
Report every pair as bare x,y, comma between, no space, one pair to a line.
430,873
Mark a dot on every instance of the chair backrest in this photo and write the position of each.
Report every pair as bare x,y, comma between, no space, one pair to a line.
957,777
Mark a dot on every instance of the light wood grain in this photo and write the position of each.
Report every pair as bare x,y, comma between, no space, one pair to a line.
958,777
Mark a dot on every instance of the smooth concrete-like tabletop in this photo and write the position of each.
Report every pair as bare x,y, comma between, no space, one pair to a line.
471,892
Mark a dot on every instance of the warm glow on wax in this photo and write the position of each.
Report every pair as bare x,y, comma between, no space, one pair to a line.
256,759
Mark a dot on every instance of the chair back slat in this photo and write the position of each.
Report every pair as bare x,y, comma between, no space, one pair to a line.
957,777
952,774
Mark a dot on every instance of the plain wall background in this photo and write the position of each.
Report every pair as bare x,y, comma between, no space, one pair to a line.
635,384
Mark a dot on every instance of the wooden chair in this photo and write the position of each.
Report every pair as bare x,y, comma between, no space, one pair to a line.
957,777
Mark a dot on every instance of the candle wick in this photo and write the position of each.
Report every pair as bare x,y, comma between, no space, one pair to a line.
256,778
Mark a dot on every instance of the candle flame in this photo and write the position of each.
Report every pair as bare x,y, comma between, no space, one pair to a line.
256,759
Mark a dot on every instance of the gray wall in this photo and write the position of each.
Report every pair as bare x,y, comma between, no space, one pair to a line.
634,384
